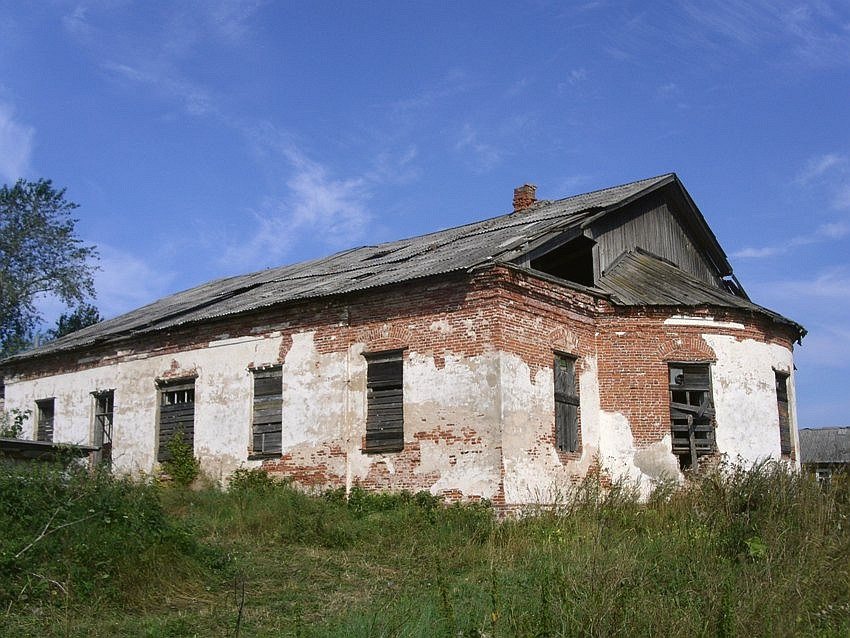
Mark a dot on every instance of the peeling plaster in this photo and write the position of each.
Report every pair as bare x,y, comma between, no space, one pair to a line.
744,388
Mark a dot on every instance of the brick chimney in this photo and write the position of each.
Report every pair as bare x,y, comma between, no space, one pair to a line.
524,196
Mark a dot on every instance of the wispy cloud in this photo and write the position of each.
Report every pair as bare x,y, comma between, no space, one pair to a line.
125,281
16,144
195,99
480,155
825,232
815,33
832,283
319,205
821,165
454,82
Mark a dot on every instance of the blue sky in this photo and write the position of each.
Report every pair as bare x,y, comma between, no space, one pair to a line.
210,138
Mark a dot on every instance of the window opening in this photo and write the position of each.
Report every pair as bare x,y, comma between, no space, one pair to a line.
44,423
786,447
104,405
176,416
384,401
573,261
267,423
566,404
691,412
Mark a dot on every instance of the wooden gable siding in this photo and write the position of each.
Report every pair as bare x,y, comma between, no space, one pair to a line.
649,224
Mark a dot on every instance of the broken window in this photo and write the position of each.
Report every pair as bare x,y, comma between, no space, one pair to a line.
566,404
268,411
572,261
176,416
691,412
384,402
104,404
786,447
44,419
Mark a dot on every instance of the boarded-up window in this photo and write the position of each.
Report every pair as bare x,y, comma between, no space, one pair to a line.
384,402
268,409
44,422
691,412
786,447
566,404
176,416
104,405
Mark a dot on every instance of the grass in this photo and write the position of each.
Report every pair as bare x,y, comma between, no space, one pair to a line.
737,552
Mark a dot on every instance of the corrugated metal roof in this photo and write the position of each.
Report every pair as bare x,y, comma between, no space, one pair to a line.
455,249
825,445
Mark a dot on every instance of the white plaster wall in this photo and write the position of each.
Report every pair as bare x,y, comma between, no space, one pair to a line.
744,388
223,391
534,471
462,399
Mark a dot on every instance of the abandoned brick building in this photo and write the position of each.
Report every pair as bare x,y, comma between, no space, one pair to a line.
503,359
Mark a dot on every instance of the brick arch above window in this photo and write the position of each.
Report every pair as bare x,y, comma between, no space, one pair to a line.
564,340
385,337
686,349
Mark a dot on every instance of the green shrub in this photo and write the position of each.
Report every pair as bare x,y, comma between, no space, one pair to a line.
68,534
182,467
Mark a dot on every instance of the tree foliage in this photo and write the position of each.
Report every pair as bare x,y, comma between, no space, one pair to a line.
39,254
83,315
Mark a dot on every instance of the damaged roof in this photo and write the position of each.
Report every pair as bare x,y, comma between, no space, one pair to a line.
825,445
493,241
639,278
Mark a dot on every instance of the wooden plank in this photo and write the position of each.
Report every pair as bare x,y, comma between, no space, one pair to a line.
268,386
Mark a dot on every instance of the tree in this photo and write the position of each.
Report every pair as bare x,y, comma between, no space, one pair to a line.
39,254
83,315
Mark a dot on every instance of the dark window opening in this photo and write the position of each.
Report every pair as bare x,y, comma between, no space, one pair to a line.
567,433
176,416
44,419
691,412
104,406
786,447
384,401
267,427
573,261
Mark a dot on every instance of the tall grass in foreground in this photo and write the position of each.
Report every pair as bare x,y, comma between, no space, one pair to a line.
736,552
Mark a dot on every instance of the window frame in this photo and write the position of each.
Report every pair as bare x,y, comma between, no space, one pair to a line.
700,437
103,417
783,408
567,404
41,426
176,387
384,411
261,423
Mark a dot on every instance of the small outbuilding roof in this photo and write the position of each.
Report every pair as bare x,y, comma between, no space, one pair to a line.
498,240
825,445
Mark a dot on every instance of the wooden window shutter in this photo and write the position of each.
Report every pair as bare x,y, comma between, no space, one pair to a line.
44,426
786,447
384,401
267,424
566,404
176,416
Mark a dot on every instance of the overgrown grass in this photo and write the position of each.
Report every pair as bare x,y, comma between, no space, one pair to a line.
737,552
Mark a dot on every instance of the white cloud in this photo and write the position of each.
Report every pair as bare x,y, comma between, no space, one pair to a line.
482,156
817,167
16,144
195,99
125,281
331,210
825,232
813,33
